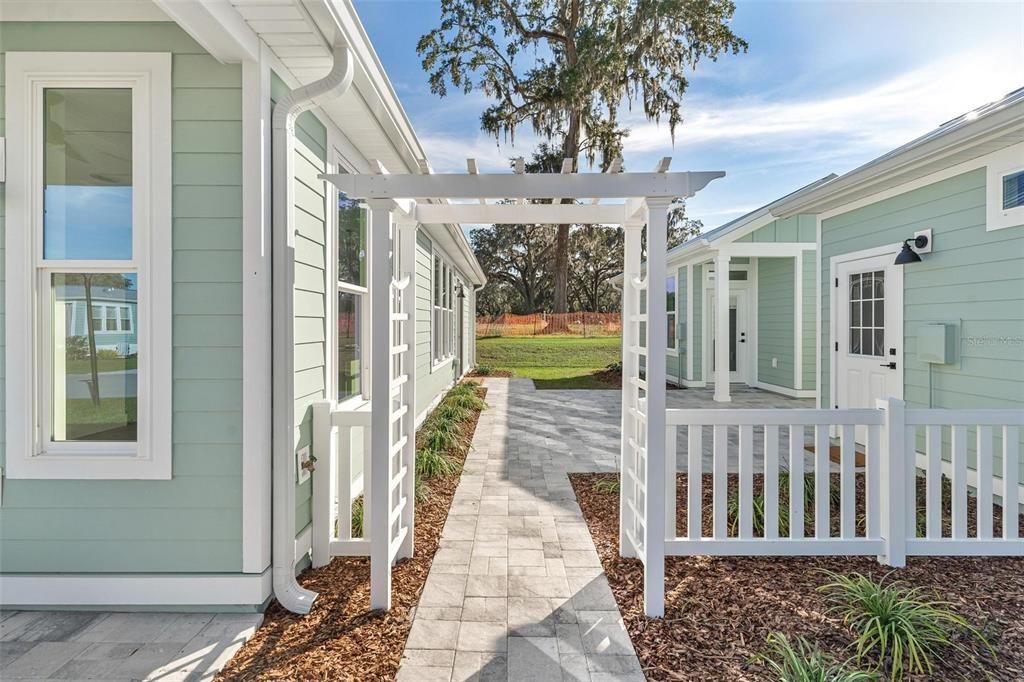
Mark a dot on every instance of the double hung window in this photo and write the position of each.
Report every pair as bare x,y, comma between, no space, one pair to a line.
444,319
89,263
352,296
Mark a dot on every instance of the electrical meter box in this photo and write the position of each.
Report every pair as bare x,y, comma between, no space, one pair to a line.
936,343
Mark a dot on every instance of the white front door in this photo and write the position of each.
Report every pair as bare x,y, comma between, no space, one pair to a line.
739,334
868,335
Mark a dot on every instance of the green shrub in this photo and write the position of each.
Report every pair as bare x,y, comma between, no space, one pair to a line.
423,490
615,367
484,370
431,463
443,435
607,486
470,401
804,662
357,517
450,410
897,625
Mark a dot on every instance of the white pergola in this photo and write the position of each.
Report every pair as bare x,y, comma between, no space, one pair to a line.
398,203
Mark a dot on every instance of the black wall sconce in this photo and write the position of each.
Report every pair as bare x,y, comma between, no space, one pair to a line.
460,291
907,254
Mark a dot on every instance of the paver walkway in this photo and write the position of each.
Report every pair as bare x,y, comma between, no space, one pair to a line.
516,590
72,645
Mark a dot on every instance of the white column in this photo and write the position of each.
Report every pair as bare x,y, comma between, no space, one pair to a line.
689,322
722,327
630,364
657,346
380,407
407,260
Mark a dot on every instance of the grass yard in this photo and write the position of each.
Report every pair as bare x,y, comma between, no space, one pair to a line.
553,362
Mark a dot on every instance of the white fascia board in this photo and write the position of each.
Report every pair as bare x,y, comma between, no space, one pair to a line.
607,214
764,249
217,26
1002,128
530,185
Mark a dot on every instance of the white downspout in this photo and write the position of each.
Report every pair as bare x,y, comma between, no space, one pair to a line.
287,590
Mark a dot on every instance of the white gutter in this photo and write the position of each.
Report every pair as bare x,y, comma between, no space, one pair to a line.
287,590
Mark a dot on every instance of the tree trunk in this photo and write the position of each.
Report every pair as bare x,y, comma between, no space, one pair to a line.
570,150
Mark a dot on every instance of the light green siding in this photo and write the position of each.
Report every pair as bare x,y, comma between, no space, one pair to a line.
776,320
430,381
776,307
193,522
973,278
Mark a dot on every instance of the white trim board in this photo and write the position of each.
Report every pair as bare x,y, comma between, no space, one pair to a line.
256,297
144,590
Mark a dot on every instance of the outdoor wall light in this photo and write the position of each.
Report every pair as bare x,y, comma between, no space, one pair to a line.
907,254
460,291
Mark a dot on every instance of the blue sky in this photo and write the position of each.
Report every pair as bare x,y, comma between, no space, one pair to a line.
825,87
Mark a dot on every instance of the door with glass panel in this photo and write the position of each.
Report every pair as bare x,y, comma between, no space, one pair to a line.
869,329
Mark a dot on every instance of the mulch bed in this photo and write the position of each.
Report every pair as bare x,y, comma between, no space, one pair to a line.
501,373
341,639
719,610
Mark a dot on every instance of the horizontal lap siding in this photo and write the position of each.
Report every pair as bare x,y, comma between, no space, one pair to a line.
697,295
310,294
810,305
973,279
430,382
191,523
776,319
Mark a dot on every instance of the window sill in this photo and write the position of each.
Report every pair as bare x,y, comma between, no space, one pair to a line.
89,466
438,365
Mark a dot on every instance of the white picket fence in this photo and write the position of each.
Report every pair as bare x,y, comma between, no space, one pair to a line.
876,516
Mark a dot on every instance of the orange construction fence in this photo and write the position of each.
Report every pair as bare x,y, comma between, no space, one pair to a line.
548,324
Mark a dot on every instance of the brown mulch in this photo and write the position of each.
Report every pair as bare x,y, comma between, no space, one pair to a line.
500,373
341,639
719,610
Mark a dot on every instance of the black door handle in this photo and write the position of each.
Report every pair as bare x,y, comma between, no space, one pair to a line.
890,365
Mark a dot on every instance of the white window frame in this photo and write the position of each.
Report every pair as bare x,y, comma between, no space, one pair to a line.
29,453
339,163
674,326
442,317
1006,162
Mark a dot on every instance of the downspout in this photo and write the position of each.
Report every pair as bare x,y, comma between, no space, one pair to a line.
287,590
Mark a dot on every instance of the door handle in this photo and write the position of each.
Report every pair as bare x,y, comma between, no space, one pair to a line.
890,365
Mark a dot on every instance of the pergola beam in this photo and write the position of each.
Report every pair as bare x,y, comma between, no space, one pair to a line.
529,214
529,185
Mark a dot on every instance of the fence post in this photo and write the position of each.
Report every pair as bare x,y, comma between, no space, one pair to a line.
323,476
893,479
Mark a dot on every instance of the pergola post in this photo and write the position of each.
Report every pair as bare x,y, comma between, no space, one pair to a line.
722,327
376,494
654,436
630,369
406,235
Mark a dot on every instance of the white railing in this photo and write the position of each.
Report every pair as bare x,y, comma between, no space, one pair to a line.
852,474
341,446
379,433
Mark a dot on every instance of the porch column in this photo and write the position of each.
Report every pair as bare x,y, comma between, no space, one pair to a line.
630,369
377,500
654,436
722,327
406,236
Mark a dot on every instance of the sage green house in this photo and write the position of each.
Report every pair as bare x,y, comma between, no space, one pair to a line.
920,271
165,153
771,314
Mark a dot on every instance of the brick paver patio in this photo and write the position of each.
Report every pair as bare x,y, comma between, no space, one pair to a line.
516,590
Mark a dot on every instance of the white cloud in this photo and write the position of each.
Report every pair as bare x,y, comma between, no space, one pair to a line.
872,119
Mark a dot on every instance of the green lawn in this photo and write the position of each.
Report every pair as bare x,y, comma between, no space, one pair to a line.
553,362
